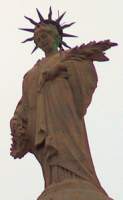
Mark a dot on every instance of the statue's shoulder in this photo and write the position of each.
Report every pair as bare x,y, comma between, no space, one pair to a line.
31,72
93,51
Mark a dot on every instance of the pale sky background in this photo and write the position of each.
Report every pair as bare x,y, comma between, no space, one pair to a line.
96,20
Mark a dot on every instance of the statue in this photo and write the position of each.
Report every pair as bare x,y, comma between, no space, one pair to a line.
49,118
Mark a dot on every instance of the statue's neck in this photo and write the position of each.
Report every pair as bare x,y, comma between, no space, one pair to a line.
50,52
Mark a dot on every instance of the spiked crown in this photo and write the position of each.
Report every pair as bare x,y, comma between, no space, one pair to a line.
56,23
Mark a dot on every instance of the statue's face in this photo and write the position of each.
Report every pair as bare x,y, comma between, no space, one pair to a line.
46,37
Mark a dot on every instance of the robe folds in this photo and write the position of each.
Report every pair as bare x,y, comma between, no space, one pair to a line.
62,103
54,109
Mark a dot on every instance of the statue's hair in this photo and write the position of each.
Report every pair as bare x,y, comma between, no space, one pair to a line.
56,23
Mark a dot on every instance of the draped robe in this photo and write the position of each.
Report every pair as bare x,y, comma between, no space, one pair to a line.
54,109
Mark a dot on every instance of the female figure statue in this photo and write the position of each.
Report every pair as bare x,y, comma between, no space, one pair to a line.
49,118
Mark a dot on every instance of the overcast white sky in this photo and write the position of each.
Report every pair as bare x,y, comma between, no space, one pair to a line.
96,20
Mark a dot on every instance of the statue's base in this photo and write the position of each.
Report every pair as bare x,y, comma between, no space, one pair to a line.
72,190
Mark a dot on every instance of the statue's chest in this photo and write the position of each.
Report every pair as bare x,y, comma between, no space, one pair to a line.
49,63
36,77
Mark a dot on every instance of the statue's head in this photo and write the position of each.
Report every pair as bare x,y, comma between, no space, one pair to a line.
47,37
48,33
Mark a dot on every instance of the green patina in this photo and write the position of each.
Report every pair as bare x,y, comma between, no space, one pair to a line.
56,42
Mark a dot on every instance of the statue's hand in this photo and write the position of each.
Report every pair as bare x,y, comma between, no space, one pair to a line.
50,74
53,72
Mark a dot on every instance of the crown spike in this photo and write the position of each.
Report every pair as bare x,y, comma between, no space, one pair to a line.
28,40
50,13
68,35
60,17
27,29
31,20
58,13
68,25
65,44
35,48
39,15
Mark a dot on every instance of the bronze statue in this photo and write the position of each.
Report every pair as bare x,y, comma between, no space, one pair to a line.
49,118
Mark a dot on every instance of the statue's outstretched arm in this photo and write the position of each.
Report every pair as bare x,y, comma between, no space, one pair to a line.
94,51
